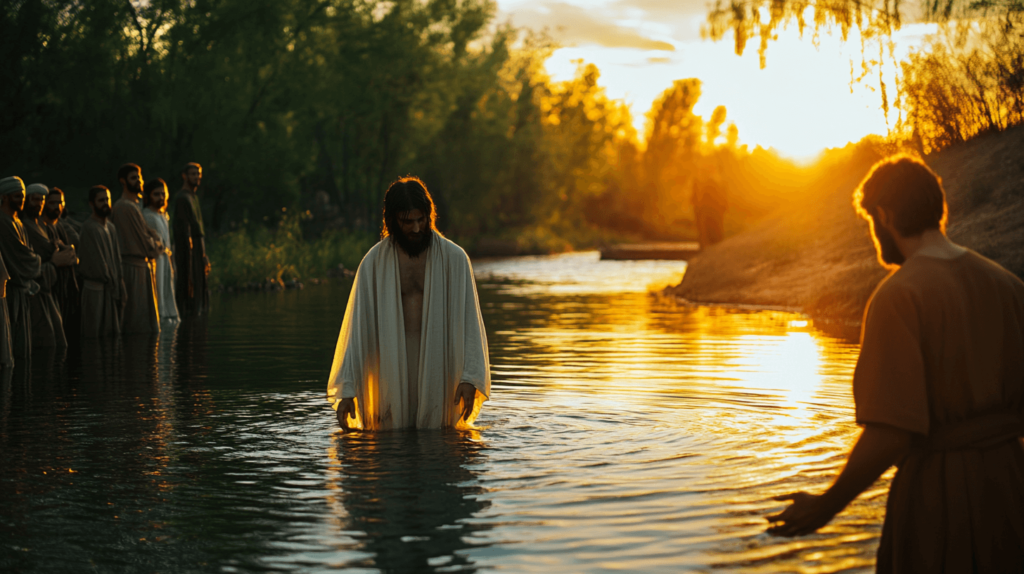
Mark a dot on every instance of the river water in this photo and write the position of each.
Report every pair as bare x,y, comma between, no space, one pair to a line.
625,432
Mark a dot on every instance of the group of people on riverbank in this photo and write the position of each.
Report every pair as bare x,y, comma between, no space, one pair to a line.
118,271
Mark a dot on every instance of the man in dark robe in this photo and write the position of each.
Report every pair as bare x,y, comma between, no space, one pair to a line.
939,390
190,262
66,292
47,324
23,265
103,291
140,246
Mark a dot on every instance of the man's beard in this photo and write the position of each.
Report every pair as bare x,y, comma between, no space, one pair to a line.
889,251
413,247
52,213
157,205
30,211
102,211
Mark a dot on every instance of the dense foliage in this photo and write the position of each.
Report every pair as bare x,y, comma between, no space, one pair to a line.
318,104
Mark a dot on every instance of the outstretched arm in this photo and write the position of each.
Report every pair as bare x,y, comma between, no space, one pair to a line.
878,448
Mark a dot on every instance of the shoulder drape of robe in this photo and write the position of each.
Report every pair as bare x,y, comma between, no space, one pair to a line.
102,287
6,351
139,249
370,359
191,289
47,323
164,271
70,229
942,357
24,266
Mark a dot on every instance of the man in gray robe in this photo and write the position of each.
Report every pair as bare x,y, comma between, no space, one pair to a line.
23,265
140,246
190,263
47,326
103,291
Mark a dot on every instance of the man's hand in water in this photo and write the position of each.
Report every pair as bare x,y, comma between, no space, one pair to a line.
345,409
878,448
467,394
808,513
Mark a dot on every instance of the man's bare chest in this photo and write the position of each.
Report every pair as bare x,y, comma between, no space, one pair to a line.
412,272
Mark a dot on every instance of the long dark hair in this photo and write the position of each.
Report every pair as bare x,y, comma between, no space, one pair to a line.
404,195
147,191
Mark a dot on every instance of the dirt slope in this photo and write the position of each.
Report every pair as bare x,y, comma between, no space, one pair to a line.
816,256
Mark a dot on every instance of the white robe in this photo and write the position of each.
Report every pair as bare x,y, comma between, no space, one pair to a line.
164,273
370,362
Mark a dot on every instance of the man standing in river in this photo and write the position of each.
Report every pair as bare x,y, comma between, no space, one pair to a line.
190,262
140,246
412,352
939,389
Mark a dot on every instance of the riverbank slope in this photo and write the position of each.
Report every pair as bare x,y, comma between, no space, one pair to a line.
815,255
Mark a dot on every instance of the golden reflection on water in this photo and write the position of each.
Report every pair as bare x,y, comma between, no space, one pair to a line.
710,411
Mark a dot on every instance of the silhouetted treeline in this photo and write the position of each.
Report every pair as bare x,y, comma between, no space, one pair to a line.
318,104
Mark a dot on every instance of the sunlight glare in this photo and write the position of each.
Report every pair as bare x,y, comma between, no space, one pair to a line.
801,103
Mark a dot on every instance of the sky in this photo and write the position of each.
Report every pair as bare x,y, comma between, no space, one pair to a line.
801,103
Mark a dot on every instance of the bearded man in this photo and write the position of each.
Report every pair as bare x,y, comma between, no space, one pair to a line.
939,390
412,347
23,265
190,262
140,246
58,259
66,293
154,201
103,290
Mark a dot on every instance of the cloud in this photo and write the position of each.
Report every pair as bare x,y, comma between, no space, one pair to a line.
576,25
666,9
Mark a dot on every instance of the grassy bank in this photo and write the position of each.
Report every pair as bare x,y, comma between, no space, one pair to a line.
815,254
256,254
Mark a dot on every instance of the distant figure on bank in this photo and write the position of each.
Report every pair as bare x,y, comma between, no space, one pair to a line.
140,247
939,389
190,262
66,293
22,263
103,291
412,350
58,259
709,203
154,198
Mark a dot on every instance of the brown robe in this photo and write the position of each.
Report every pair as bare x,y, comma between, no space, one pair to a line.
24,267
942,356
103,292
139,249
47,325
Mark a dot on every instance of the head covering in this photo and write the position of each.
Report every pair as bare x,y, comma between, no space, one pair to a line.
11,185
37,189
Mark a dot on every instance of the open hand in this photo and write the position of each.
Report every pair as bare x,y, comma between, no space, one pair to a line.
807,514
467,394
345,409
